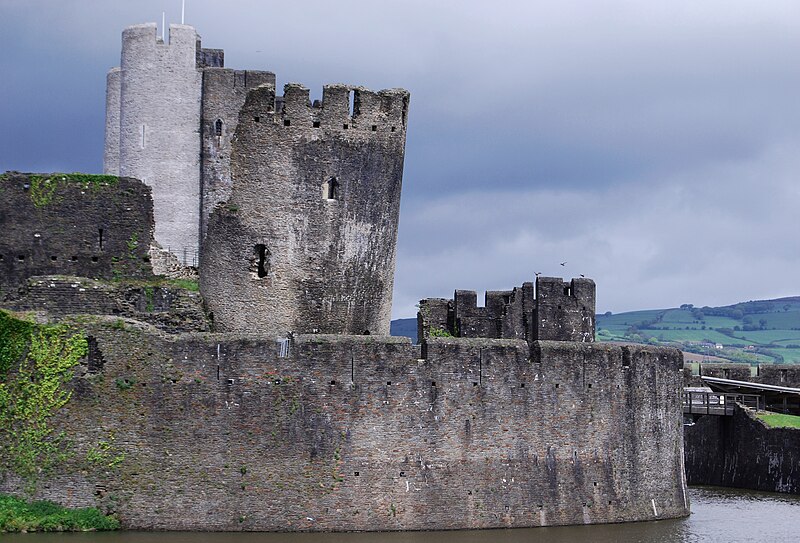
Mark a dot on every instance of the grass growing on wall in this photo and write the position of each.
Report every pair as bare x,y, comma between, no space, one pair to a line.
17,515
38,365
43,187
778,420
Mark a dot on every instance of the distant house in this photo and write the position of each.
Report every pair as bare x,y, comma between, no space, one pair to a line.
718,345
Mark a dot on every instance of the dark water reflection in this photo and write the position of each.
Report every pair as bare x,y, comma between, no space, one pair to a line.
718,514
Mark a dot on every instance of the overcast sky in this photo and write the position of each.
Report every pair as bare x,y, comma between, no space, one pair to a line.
653,146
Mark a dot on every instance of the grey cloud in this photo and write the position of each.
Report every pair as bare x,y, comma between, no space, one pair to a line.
649,144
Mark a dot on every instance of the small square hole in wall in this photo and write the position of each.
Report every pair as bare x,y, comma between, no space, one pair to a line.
95,259
522,385
53,258
595,483
388,383
230,381
394,128
474,383
433,383
402,474
287,122
374,127
315,124
333,383
1,257
21,257
345,126
257,119
355,473
557,385
74,258
589,385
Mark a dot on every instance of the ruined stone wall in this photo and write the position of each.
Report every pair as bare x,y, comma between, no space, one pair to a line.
559,311
165,305
159,143
219,432
787,375
224,92
54,224
307,238
742,452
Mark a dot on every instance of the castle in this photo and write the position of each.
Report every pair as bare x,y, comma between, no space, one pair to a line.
293,205
272,399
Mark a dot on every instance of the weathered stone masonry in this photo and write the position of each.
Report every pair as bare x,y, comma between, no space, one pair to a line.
357,433
307,239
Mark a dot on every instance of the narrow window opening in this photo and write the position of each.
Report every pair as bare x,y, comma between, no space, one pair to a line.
783,376
1,257
230,381
143,140
405,110
589,385
557,385
332,189
315,124
351,103
287,122
374,127
474,383
433,383
567,291
218,128
394,128
100,238
726,373
95,359
262,255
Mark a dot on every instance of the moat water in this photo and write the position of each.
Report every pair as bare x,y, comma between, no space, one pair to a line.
718,514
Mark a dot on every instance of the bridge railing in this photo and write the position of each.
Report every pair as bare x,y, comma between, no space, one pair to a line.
718,403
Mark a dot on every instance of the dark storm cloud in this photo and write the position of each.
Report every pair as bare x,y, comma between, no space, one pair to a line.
651,146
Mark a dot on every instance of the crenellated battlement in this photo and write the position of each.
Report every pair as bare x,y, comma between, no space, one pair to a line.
557,310
382,111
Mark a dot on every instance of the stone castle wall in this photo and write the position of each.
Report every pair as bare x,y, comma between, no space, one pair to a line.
307,238
742,452
224,92
222,432
55,225
557,310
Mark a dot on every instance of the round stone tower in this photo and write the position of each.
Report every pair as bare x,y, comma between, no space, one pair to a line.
153,107
306,241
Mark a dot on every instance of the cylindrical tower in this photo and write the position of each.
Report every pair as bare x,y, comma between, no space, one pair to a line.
111,150
159,123
306,241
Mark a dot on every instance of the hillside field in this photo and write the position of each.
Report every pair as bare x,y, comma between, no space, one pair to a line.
764,331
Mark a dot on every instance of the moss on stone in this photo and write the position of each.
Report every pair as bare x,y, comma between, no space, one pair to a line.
17,515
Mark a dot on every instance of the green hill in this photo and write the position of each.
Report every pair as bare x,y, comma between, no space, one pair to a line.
754,332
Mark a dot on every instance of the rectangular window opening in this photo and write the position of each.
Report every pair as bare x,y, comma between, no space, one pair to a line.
287,122
315,124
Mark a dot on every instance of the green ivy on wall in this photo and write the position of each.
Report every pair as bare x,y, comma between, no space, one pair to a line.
37,365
